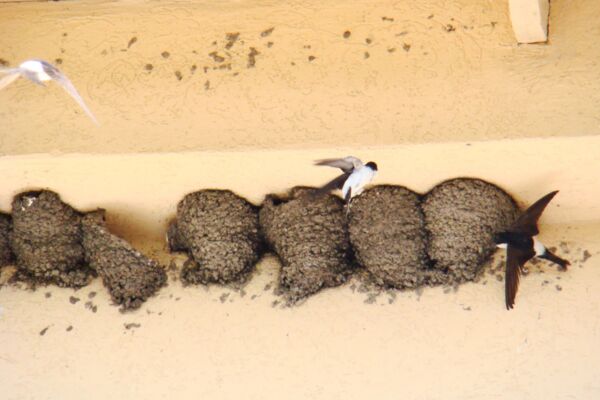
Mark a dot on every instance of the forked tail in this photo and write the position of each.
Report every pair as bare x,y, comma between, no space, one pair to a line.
555,259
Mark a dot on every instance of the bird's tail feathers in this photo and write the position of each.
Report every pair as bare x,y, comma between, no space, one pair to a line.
548,255
336,183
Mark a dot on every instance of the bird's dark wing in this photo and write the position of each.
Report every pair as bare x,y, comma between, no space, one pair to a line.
66,84
527,222
515,258
336,183
346,164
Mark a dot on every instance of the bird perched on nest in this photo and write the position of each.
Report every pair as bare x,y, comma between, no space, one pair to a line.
521,246
40,71
354,179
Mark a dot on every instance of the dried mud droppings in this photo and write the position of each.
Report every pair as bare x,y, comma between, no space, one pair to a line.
267,32
132,41
252,57
387,232
462,215
46,240
219,230
231,39
310,236
130,277
6,255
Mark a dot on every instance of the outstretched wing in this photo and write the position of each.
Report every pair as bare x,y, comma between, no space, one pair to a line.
63,81
8,70
346,164
334,184
515,258
8,79
527,222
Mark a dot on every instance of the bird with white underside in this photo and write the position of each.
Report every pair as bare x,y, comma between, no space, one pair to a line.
40,71
355,177
522,245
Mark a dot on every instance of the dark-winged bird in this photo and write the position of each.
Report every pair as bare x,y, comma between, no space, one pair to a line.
354,179
40,71
521,246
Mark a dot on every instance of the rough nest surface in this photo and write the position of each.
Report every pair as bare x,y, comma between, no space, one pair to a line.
461,216
387,232
5,252
310,236
220,232
46,240
130,277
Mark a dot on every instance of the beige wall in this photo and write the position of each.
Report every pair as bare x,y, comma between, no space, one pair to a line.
468,102
473,82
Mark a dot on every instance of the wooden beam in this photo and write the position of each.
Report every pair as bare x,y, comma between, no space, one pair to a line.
530,20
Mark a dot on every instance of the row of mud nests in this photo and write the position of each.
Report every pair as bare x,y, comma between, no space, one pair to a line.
391,238
233,53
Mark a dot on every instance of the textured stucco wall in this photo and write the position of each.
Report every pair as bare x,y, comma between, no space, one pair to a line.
437,71
256,130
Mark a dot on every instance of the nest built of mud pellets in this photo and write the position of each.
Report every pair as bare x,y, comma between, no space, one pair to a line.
46,240
387,232
55,244
309,234
220,232
461,217
130,277
405,240
400,238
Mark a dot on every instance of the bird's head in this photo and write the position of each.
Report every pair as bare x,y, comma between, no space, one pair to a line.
501,238
371,165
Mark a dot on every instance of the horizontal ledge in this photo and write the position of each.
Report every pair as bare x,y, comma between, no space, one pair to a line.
141,191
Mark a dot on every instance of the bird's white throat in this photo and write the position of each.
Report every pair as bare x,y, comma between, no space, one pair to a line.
539,248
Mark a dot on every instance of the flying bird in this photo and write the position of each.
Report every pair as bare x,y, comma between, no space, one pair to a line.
40,71
354,179
521,246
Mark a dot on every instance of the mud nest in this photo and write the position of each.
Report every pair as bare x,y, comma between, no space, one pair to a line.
387,232
46,240
6,255
310,236
462,215
130,277
220,232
